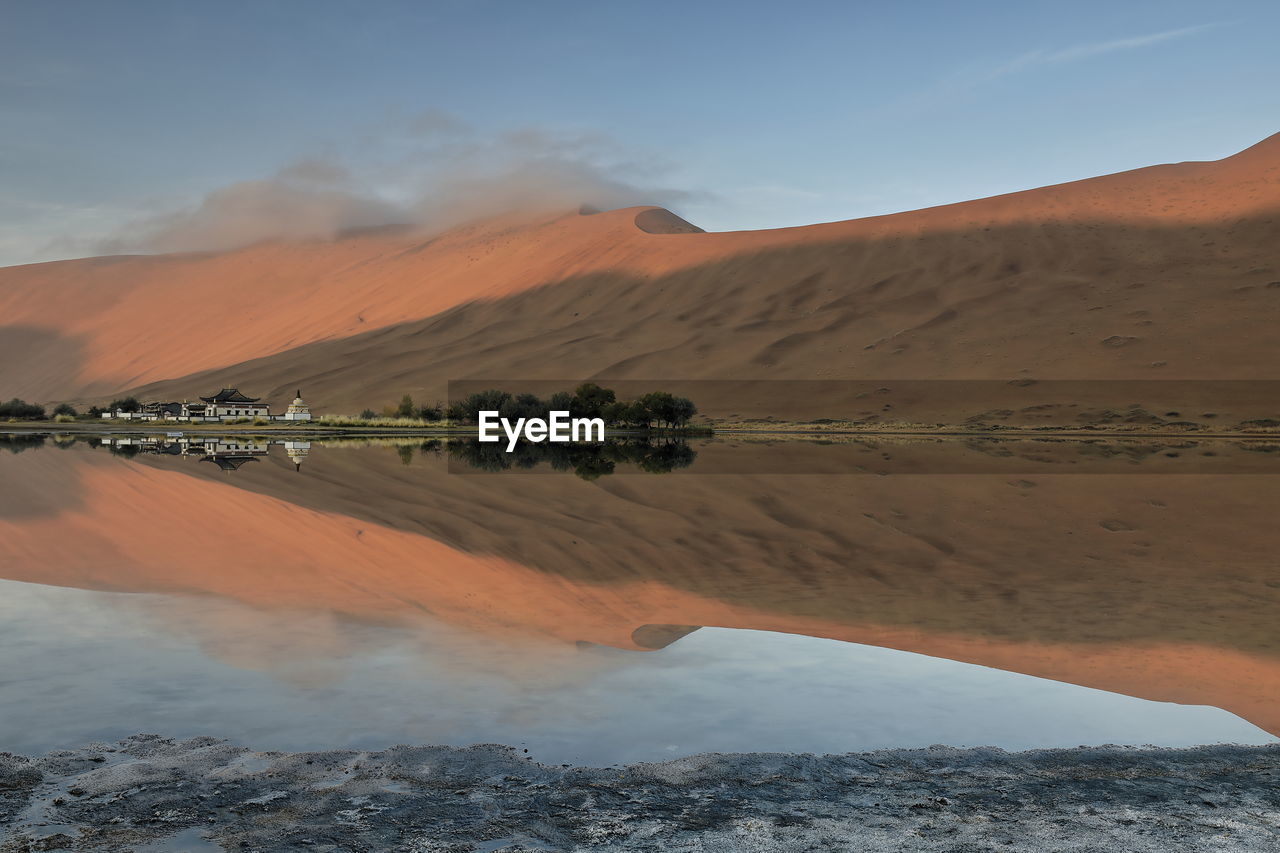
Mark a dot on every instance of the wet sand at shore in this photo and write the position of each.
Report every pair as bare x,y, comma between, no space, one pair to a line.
153,793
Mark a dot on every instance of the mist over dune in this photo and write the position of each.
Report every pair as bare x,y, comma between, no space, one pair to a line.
1168,272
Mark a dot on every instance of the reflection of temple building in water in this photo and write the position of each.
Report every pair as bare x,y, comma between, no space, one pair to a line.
229,454
297,451
229,463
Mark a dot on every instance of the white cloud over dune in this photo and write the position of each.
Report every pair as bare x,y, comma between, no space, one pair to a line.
430,170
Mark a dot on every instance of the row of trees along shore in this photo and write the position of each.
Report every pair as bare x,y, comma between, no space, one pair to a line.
21,410
588,400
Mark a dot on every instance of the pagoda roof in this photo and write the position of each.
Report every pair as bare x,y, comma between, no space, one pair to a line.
230,395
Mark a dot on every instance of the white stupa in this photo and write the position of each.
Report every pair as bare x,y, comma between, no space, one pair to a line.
298,410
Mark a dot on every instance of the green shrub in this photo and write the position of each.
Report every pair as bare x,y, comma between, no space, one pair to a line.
21,410
659,408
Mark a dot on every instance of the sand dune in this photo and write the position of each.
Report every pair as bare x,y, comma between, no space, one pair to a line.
1169,272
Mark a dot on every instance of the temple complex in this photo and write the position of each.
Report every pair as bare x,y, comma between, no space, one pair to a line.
228,404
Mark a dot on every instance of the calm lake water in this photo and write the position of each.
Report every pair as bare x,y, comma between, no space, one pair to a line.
640,602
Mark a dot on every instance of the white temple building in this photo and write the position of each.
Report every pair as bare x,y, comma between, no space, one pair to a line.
227,405
230,403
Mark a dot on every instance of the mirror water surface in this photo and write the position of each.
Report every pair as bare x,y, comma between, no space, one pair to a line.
639,601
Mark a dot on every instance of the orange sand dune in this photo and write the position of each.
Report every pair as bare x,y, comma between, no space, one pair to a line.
1165,272
1164,609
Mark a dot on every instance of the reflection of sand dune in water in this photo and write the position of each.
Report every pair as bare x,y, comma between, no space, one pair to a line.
1160,587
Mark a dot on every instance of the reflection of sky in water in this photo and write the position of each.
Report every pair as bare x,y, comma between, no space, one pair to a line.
77,666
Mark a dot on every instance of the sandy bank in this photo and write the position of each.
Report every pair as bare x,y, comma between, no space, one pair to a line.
208,794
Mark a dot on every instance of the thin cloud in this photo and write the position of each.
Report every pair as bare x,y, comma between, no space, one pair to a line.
964,82
1038,58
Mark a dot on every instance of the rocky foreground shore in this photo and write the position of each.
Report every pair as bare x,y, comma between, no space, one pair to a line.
151,793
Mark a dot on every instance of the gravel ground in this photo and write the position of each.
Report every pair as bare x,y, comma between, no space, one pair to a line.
149,793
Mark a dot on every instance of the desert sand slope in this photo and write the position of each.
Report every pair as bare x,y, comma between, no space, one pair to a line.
1169,272
1159,586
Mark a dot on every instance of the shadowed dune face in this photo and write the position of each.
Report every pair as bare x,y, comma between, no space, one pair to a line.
34,360
1045,302
1160,586
1171,270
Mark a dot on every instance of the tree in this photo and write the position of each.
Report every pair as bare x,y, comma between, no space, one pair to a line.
660,406
523,406
615,412
21,410
491,400
96,411
637,414
406,409
65,409
589,399
433,412
683,410
127,404
368,415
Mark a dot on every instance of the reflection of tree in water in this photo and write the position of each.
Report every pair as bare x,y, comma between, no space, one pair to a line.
588,461
16,443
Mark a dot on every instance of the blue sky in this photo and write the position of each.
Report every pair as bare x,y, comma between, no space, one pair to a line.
737,114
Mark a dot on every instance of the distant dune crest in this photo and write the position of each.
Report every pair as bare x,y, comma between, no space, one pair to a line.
656,220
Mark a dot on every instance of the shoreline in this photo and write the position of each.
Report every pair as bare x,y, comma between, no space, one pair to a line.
735,431
208,794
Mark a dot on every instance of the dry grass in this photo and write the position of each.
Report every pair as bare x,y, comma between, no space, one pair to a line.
765,426
830,425
352,421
